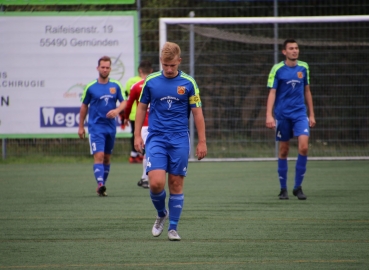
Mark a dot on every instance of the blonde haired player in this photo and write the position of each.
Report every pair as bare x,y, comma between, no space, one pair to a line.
172,95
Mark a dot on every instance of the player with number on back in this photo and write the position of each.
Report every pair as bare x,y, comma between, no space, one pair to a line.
99,99
289,84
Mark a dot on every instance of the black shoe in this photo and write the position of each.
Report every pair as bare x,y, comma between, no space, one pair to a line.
101,191
298,192
143,183
283,195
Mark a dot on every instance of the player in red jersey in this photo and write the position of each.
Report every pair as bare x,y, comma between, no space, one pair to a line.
134,96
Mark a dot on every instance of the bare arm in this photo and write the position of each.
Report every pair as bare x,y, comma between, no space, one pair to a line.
140,117
82,117
133,98
201,149
270,121
114,113
309,103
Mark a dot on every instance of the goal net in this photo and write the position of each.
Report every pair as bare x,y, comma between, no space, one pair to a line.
230,58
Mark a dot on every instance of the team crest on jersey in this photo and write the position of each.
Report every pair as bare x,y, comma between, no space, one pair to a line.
300,75
181,90
112,90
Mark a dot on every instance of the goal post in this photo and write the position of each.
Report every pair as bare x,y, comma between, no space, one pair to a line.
164,22
332,45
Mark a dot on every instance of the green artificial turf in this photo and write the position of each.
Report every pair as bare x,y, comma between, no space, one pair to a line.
51,218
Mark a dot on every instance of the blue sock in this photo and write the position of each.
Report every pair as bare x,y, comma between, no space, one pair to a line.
99,173
300,170
158,199
106,172
282,172
175,210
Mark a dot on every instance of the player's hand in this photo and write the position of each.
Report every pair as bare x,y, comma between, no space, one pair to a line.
139,144
112,114
270,122
81,133
201,150
125,123
312,122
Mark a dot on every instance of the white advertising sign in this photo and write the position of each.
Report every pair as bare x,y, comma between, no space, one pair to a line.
46,60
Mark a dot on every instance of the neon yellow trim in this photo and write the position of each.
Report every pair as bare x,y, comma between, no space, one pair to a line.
129,85
273,72
148,78
121,88
184,75
86,88
305,65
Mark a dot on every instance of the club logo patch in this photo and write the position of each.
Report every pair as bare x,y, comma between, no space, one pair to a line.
181,90
300,75
112,90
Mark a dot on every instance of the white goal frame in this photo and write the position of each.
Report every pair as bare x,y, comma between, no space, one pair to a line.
163,22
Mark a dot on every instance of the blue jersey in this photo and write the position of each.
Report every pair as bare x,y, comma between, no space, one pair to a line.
171,100
289,83
102,98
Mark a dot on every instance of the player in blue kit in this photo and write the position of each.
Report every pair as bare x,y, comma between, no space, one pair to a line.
172,96
99,99
289,84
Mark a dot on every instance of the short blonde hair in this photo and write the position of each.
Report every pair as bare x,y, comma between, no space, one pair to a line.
169,51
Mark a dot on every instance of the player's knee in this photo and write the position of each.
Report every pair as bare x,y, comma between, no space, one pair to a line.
303,150
107,159
176,185
99,157
283,152
283,155
156,186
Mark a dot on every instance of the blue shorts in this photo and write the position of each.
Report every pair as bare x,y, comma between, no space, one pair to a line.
286,129
101,142
168,151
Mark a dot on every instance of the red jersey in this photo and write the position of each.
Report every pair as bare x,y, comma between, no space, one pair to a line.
134,95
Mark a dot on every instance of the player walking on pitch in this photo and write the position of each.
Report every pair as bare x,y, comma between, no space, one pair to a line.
172,96
289,84
99,99
133,98
135,157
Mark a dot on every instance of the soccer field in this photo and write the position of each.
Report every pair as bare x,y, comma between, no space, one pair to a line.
51,218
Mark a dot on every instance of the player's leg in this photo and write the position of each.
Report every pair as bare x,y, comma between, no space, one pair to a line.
106,167
177,169
144,181
108,149
175,204
303,142
156,169
158,196
283,169
97,143
283,135
134,155
302,131
157,190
